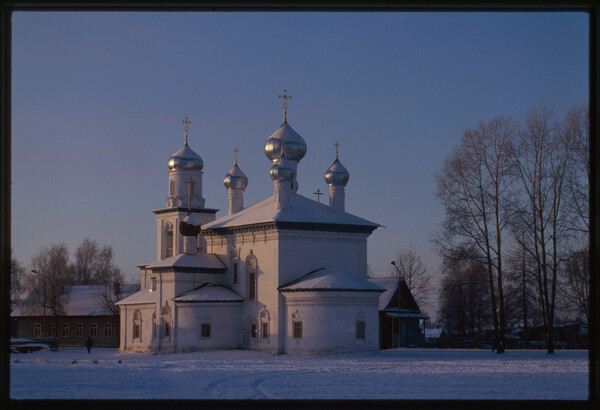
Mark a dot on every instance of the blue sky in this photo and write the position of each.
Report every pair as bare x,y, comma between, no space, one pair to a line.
98,99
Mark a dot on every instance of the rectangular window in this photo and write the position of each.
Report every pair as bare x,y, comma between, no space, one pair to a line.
94,329
52,330
235,272
136,331
298,330
360,329
79,330
37,330
108,330
265,330
167,329
253,330
66,330
153,284
252,286
205,329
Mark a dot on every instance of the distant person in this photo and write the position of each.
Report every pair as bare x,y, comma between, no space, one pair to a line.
89,344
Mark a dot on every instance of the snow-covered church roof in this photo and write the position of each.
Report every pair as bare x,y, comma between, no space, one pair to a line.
209,292
330,279
199,261
300,210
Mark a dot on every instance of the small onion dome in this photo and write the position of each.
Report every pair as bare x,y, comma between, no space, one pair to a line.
189,226
283,170
337,174
185,159
295,147
235,179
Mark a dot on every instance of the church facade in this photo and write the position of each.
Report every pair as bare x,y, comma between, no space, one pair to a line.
285,275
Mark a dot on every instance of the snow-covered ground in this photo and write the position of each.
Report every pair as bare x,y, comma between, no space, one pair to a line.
239,374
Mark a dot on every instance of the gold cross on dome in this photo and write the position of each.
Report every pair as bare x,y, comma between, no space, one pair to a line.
337,146
236,150
186,127
285,97
318,193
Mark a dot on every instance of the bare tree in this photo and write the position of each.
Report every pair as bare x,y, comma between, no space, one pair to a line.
577,129
542,161
94,264
413,271
474,187
17,272
577,286
464,299
47,284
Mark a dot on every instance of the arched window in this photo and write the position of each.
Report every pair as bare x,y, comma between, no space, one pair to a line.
137,326
166,320
265,319
172,187
169,240
251,269
153,325
233,255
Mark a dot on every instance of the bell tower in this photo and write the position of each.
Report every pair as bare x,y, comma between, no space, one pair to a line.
185,197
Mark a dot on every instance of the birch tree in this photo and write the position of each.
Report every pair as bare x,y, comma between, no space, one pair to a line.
474,188
542,158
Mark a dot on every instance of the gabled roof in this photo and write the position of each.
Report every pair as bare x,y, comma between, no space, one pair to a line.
209,292
141,297
389,298
330,279
199,261
300,210
80,300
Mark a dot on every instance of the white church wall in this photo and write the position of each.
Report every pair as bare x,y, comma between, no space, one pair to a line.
224,322
129,319
304,251
329,321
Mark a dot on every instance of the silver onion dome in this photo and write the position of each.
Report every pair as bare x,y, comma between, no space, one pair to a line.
189,226
185,159
294,145
235,179
283,170
337,174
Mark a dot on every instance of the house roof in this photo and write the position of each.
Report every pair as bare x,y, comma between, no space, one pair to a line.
300,210
80,300
330,279
198,261
389,298
209,292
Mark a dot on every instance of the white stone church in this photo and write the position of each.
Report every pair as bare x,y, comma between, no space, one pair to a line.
285,275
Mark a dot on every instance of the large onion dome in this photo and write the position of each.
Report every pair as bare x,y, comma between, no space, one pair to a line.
294,145
235,179
186,160
337,174
189,226
283,170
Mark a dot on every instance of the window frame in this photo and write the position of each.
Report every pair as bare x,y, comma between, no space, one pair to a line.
93,329
79,329
252,285
51,330
37,330
66,330
297,329
360,329
205,330
108,329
